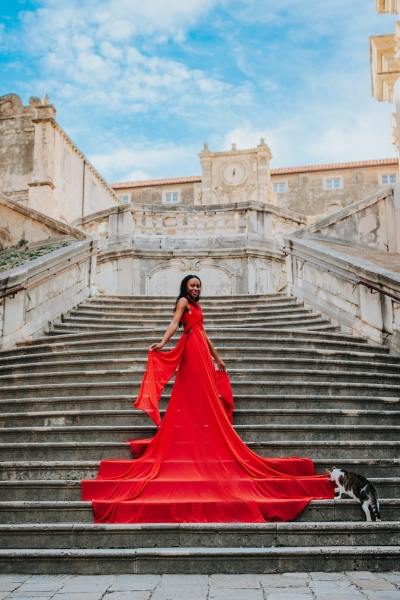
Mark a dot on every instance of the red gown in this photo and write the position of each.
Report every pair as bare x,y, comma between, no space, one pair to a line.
197,469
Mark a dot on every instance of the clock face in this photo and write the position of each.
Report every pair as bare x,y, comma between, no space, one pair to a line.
234,172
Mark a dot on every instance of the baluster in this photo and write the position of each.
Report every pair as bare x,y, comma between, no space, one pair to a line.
179,224
220,222
147,224
190,223
230,222
200,230
159,226
242,221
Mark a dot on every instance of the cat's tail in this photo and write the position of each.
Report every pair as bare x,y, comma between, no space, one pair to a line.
375,503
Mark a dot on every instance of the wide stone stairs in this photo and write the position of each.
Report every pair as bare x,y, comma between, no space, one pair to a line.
301,388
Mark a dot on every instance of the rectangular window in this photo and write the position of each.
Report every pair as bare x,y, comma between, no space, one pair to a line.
93,196
333,184
387,179
66,163
125,199
171,197
280,188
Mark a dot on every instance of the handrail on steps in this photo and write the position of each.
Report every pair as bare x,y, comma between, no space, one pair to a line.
15,290
350,278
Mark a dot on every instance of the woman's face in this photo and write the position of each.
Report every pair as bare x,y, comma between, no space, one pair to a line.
193,287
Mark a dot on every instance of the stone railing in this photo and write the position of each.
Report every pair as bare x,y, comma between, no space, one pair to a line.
347,266
141,221
36,293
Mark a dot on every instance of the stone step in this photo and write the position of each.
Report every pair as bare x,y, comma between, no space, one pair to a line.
65,490
168,307
201,560
242,364
234,355
194,535
221,333
331,387
205,300
380,469
81,512
217,316
96,450
242,416
256,376
75,324
249,433
242,402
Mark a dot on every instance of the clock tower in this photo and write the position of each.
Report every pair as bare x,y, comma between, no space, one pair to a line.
236,176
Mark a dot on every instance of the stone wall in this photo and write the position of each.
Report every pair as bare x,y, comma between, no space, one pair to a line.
43,168
339,264
18,222
17,138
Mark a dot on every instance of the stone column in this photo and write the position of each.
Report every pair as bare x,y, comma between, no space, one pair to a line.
206,180
41,188
264,174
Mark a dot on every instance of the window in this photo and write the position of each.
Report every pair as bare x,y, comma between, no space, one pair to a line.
171,197
333,184
280,188
125,199
93,196
387,179
66,163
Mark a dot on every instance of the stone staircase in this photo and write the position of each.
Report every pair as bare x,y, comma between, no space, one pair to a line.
301,388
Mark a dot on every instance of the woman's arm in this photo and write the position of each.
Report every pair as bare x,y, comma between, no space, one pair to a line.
173,326
220,363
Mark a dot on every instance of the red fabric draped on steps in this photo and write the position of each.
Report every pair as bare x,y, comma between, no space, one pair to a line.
196,469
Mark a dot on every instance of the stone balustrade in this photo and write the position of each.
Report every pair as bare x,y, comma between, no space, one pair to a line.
263,220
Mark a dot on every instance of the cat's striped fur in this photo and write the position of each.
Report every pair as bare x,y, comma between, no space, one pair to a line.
357,487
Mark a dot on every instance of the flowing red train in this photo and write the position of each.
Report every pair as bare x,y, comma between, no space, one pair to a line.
196,469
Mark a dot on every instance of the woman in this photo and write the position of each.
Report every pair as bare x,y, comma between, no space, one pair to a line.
196,468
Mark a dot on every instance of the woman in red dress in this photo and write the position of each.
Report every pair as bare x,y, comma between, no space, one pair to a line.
196,468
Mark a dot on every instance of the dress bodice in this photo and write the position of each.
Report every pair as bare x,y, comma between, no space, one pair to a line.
196,311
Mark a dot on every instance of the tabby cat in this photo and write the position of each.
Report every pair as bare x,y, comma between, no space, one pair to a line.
359,488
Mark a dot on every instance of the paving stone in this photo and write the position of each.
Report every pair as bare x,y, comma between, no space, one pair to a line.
293,591
42,586
9,586
234,594
379,594
235,581
374,584
98,595
330,586
280,581
393,577
135,583
284,596
295,575
128,595
13,597
362,575
16,578
318,576
182,592
180,580
336,596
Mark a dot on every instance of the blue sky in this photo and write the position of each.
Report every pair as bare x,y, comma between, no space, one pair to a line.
139,85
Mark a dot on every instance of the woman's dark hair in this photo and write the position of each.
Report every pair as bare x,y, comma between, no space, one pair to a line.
183,293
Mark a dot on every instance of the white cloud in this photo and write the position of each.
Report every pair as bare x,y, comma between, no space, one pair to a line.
147,161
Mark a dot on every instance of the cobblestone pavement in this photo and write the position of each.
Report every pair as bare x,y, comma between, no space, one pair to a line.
350,585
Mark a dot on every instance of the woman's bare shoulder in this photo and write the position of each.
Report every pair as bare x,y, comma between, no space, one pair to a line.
182,302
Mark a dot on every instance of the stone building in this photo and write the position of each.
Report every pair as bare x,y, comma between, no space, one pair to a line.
41,167
312,191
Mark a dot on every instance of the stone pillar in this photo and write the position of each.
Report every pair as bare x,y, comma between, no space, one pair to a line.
264,177
41,188
206,179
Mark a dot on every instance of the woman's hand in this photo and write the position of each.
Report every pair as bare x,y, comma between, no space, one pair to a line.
221,365
156,347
